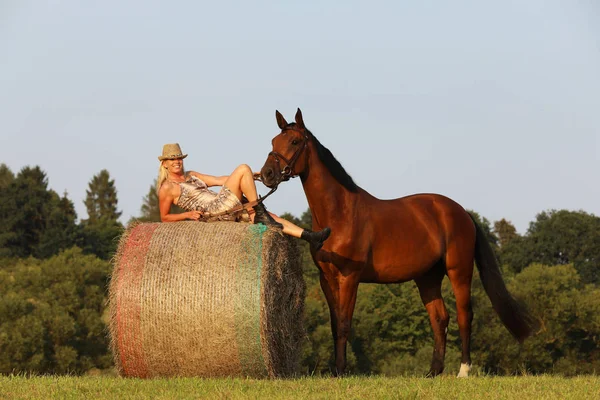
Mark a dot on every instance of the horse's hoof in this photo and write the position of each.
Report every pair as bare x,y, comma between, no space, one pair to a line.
464,370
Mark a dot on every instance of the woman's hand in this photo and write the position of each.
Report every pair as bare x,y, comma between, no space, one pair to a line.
193,215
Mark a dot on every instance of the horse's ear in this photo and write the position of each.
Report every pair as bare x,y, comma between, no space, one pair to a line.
299,120
281,122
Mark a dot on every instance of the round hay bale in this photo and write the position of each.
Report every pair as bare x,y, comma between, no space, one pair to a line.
206,299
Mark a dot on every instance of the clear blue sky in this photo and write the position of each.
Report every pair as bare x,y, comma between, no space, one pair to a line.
495,104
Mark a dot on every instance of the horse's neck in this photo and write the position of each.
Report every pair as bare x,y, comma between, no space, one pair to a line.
329,201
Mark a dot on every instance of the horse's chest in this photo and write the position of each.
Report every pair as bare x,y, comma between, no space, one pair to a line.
344,259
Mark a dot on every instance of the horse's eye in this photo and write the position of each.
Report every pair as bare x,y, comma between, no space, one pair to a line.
295,142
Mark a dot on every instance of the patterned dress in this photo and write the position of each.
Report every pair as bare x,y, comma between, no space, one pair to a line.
196,196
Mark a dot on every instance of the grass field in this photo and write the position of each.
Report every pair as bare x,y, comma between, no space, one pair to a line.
519,387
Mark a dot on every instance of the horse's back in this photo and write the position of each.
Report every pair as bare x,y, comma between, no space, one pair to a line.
427,209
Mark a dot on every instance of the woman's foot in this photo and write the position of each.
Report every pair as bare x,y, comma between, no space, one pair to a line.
316,239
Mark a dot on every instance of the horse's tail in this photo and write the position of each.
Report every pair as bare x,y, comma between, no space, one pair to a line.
512,313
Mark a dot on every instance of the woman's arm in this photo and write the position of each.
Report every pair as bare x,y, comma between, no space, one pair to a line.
209,179
165,199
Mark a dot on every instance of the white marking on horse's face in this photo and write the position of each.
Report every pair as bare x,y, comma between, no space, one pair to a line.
464,370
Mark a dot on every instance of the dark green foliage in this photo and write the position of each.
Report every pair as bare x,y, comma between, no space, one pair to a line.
24,205
51,313
559,238
306,219
34,221
150,208
101,238
569,316
101,198
8,208
60,232
505,231
6,176
317,351
100,232
516,254
389,322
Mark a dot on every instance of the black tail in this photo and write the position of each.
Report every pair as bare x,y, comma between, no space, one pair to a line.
512,314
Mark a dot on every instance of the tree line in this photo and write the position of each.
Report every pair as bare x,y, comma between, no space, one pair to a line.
38,222
54,274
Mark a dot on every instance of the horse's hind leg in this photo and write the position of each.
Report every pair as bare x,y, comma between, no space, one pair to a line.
430,289
460,272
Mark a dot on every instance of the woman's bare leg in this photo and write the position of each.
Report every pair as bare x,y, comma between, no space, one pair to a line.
241,182
289,228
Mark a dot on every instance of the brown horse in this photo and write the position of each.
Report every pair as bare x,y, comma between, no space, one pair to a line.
422,237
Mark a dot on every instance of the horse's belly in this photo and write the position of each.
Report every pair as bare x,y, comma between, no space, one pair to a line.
399,269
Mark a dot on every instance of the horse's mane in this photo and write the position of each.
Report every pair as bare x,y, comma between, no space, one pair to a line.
333,165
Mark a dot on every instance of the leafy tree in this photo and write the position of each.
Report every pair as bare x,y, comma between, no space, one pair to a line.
505,231
6,176
306,219
34,219
31,192
101,230
559,238
51,313
7,209
61,231
150,207
389,322
517,254
569,316
23,212
101,238
101,198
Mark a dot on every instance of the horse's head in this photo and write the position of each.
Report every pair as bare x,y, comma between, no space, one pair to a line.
289,157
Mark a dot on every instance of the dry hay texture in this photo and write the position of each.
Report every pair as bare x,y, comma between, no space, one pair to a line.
206,299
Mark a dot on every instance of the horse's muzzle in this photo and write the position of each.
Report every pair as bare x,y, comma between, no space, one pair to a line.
269,176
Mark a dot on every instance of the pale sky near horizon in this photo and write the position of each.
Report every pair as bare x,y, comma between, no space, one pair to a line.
495,104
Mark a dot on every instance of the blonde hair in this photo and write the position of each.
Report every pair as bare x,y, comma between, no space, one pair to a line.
163,175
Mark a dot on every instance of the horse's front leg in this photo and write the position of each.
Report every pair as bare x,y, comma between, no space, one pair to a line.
340,292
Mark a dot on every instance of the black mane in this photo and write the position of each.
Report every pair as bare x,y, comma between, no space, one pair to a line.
333,165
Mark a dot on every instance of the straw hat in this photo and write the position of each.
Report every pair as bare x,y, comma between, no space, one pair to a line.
171,152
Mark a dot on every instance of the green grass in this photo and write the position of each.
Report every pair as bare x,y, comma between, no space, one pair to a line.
445,387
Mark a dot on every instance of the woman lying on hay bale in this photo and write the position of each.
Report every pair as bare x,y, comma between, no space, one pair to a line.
190,192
